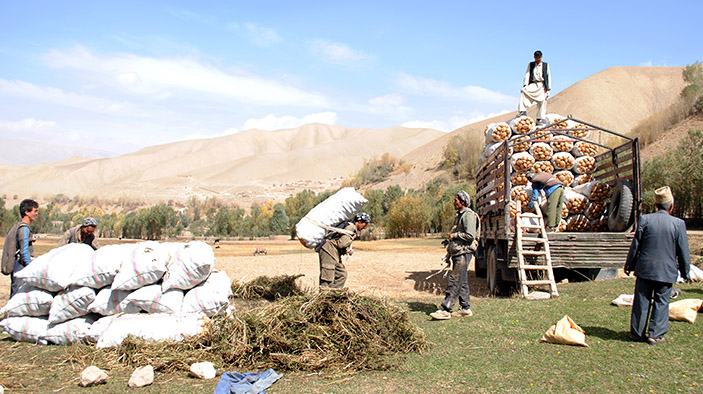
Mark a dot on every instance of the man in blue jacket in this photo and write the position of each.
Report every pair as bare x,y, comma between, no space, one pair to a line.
554,191
29,210
659,251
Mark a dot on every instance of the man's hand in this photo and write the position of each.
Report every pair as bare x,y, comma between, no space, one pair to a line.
627,272
350,251
452,236
547,96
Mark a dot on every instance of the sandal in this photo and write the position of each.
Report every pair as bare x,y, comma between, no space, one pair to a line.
655,341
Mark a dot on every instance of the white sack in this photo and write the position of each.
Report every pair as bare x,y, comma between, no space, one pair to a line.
53,271
623,300
157,327
488,150
694,273
522,161
152,300
521,124
146,265
71,303
335,209
102,267
563,161
96,330
209,297
494,133
585,189
109,302
584,165
28,301
26,328
70,331
541,151
189,265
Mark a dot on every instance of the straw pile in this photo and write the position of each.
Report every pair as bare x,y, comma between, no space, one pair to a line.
329,330
269,288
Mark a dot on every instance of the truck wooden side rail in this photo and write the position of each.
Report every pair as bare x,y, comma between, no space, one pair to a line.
582,252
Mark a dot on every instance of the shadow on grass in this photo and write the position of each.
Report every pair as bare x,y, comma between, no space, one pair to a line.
437,284
607,334
424,307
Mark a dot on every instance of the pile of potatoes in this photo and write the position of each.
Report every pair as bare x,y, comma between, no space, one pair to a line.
521,146
524,125
562,144
543,166
577,204
566,177
563,161
600,191
542,151
577,223
583,148
585,164
580,130
524,163
595,210
600,225
501,132
520,178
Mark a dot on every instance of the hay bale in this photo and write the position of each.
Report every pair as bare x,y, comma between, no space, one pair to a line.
269,288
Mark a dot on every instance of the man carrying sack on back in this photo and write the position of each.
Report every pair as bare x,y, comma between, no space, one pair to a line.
462,243
336,244
659,251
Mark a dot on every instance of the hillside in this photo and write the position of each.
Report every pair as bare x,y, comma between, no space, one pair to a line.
253,165
617,99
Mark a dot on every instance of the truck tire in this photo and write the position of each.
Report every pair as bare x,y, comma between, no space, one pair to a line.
621,206
494,276
480,261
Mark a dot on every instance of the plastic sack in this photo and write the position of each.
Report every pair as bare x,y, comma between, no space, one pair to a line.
685,310
521,146
53,271
541,151
152,299
600,191
146,265
543,166
68,332
521,124
575,202
26,328
102,267
519,179
581,179
579,130
28,301
584,189
565,332
335,209
190,264
71,303
96,330
624,300
563,161
522,161
565,177
554,118
600,225
695,273
497,132
577,223
561,143
210,296
584,165
583,148
110,302
151,328
488,150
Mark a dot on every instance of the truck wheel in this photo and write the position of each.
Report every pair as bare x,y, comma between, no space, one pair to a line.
494,277
621,206
480,261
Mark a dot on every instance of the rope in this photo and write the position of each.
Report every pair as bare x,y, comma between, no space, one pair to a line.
335,229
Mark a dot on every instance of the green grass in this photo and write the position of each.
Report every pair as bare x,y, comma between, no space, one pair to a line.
496,350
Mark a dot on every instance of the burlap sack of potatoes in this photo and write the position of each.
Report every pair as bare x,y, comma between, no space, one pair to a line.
685,310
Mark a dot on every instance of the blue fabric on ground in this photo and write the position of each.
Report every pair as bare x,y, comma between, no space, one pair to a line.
246,383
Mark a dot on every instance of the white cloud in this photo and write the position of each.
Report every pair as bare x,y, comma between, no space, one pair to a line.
650,63
390,104
272,122
21,89
256,34
161,77
337,53
28,124
444,90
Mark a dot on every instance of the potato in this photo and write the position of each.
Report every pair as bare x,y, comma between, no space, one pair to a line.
524,163
577,205
562,226
542,152
562,144
521,147
577,223
563,162
519,178
542,135
581,179
543,166
586,148
564,211
580,130
524,125
566,177
595,210
600,192
586,164
561,125
600,225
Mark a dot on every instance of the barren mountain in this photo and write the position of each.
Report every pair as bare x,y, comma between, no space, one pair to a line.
617,99
253,165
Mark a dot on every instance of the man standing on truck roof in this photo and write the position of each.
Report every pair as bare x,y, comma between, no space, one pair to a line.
462,243
554,190
336,244
535,88
660,240
83,233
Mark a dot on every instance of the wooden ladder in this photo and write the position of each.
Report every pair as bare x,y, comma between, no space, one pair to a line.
542,258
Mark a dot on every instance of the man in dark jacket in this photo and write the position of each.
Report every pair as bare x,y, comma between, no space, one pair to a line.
461,245
83,233
659,251
535,88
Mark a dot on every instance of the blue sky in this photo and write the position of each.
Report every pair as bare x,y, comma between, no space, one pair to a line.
119,76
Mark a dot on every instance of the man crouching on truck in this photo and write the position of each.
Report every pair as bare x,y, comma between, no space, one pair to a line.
554,190
463,241
336,244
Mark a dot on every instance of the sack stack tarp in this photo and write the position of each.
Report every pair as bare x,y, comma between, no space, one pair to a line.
72,293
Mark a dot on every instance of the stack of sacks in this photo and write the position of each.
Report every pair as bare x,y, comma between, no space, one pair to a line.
571,161
73,288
